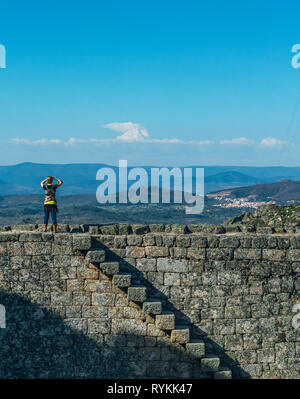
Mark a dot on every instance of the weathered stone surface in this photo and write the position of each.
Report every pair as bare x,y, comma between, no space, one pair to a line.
196,253
180,336
123,326
224,327
293,255
30,237
5,228
122,280
198,241
154,307
223,374
149,240
37,248
146,265
247,326
157,252
157,228
178,252
210,363
110,268
196,349
229,242
134,240
140,229
95,256
273,254
93,229
103,299
172,265
172,279
125,228
63,239
135,252
195,228
178,228
120,242
137,294
62,228
75,228
110,229
168,240
165,321
219,253
251,254
183,240
83,243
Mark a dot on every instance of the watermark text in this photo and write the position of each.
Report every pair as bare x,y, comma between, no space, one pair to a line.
154,185
2,316
296,318
2,56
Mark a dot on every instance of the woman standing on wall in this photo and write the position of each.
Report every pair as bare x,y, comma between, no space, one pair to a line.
50,204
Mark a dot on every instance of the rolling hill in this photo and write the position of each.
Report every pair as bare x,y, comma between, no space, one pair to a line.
281,192
228,179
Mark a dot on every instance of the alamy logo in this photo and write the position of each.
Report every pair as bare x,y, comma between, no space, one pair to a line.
187,187
2,56
296,59
2,317
296,318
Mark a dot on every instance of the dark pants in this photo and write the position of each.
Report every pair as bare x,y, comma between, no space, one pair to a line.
47,210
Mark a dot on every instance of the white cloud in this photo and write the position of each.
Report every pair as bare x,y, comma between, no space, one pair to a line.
174,141
134,133
70,142
131,132
206,142
240,141
36,142
272,142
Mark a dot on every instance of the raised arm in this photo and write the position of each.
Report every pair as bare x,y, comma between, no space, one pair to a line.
43,182
60,182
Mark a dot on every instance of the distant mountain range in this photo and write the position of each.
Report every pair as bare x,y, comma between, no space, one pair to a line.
228,179
25,178
281,192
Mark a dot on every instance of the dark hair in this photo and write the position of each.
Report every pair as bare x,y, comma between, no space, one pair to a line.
49,179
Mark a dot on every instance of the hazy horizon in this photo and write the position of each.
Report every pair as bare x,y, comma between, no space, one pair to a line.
155,165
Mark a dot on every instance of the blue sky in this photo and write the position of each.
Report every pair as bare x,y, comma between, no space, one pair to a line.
160,82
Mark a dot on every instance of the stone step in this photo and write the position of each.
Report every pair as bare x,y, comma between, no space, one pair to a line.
224,373
82,242
152,307
97,256
196,349
122,280
137,293
165,321
180,335
110,268
210,363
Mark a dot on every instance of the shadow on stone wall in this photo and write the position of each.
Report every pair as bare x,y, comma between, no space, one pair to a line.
38,343
181,318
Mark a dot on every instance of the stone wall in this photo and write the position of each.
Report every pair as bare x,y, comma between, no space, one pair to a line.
148,301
